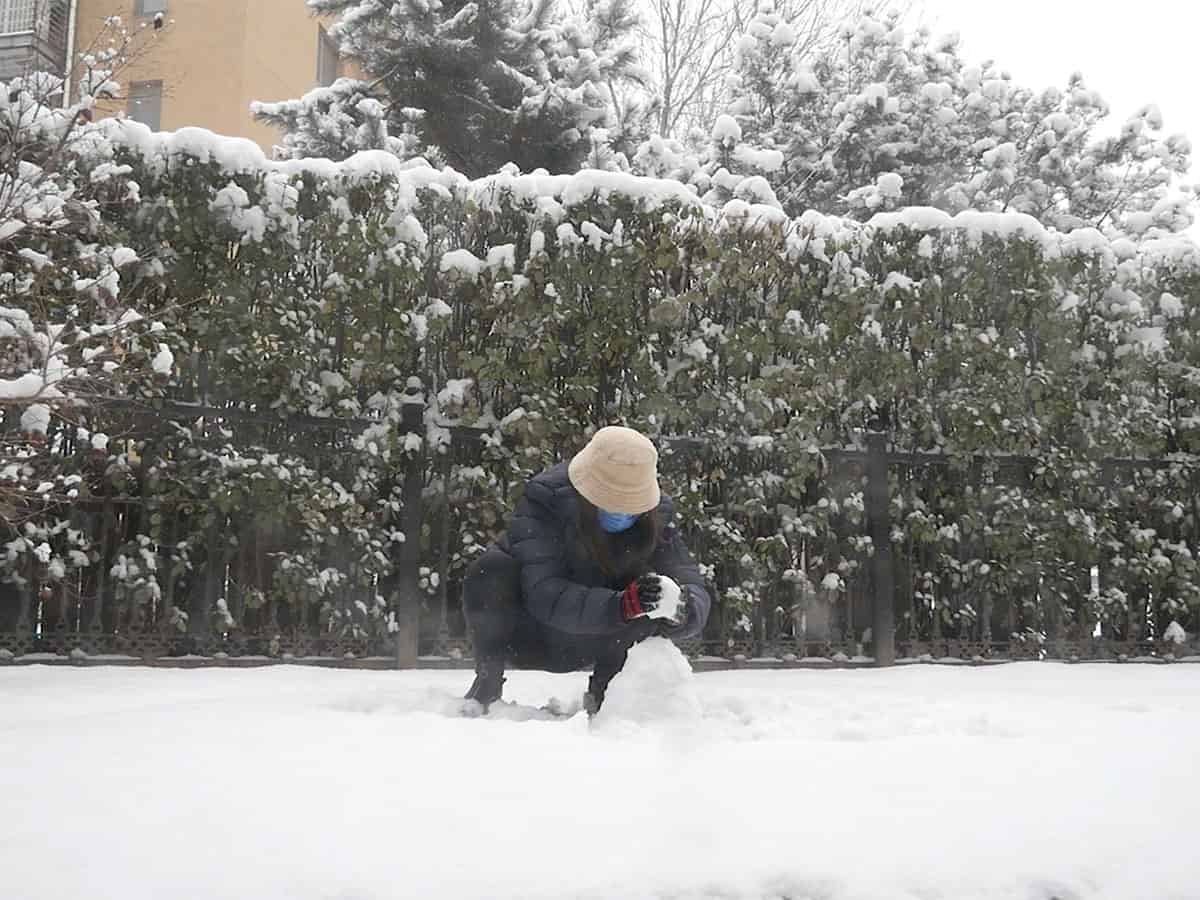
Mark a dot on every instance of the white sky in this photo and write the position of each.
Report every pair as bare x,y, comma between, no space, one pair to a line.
1132,51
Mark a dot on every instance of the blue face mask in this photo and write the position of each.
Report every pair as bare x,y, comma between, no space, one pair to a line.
614,523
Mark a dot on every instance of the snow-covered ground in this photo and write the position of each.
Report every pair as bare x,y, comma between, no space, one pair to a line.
1025,781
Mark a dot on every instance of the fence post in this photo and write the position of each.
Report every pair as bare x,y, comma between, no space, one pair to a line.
26,615
107,537
443,567
407,599
204,596
883,625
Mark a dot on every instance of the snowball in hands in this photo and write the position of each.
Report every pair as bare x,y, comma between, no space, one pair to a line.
670,602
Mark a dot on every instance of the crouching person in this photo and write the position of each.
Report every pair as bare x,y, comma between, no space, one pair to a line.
576,578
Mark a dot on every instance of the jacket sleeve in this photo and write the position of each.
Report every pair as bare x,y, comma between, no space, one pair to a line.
537,543
674,560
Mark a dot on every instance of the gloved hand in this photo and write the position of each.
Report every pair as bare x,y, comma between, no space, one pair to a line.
640,597
670,627
672,600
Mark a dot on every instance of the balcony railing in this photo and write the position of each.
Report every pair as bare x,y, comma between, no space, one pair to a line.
33,36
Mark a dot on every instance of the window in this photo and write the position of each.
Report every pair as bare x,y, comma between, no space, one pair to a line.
145,103
16,15
149,7
327,58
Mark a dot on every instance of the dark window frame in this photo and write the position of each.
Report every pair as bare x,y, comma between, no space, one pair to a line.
29,17
146,90
140,7
328,58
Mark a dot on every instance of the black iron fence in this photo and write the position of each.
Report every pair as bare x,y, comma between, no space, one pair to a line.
217,608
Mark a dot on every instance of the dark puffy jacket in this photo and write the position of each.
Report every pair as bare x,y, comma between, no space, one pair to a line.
561,584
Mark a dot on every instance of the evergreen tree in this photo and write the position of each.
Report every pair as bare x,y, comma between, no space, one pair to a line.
483,83
340,120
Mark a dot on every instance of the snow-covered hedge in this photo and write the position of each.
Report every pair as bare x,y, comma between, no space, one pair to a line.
536,307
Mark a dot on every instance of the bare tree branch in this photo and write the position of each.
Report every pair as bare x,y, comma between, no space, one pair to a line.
690,49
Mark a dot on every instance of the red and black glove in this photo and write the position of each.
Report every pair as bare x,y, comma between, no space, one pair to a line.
640,597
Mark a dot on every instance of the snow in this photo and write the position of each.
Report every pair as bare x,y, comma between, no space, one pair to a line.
567,236
726,131
554,196
30,385
752,215
668,602
39,261
805,81
976,224
241,155
36,419
874,93
594,235
551,193
503,256
1150,339
1085,242
15,323
456,392
937,92
656,686
890,185
463,262
917,218
757,191
164,360
941,783
1003,155
697,350
1171,306
783,35
438,309
650,193
766,160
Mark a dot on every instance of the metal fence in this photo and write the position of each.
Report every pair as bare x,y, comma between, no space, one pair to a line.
876,620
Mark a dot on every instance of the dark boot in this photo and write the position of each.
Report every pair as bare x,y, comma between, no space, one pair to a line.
591,703
597,687
488,686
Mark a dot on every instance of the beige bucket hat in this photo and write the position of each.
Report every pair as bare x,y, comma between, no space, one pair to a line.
617,471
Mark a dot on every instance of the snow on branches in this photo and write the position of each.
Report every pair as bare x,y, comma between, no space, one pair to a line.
888,103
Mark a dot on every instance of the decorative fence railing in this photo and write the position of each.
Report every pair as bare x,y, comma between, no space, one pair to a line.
220,612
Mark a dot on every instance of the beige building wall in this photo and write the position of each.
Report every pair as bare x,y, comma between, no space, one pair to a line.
216,56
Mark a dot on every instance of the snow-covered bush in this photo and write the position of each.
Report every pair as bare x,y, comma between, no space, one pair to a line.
536,307
72,342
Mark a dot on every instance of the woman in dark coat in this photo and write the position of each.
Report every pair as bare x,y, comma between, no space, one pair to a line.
577,577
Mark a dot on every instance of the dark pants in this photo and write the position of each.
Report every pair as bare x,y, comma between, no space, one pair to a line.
504,634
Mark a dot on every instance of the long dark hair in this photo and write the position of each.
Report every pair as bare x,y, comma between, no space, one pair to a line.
626,554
